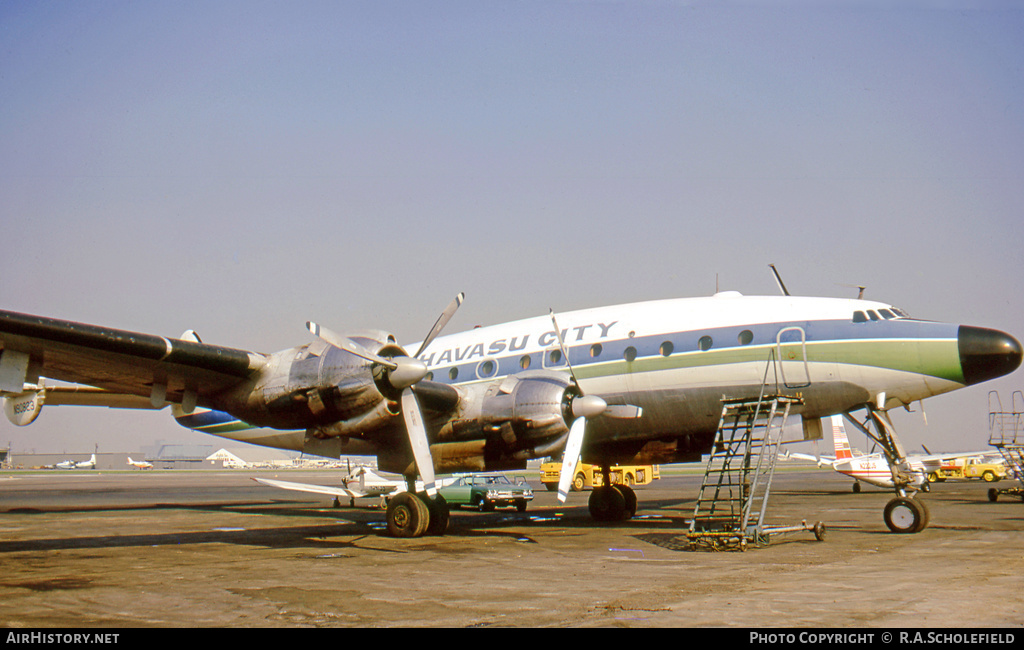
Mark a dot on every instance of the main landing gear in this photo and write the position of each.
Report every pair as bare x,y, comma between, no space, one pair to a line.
612,502
904,514
414,514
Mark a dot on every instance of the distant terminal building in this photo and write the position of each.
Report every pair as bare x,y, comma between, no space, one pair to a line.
172,455
178,456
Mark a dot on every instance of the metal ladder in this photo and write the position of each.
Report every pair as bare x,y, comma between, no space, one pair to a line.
1006,433
733,499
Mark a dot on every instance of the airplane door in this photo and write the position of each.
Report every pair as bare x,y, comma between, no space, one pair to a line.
791,351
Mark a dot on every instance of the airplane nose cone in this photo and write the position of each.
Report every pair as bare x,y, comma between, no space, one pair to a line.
986,354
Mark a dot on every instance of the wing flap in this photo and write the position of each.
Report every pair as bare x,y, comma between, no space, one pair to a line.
88,396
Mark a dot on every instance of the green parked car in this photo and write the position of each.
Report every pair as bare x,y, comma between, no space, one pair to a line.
486,492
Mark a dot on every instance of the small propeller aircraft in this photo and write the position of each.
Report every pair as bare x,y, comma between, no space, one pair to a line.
638,383
875,469
76,464
140,464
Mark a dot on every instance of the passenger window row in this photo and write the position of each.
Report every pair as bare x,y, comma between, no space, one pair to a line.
488,367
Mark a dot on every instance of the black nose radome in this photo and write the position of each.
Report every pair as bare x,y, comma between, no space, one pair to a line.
986,354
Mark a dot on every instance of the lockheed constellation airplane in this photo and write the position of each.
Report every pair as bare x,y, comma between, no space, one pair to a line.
636,383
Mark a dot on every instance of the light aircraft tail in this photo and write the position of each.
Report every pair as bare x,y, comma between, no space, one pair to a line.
839,439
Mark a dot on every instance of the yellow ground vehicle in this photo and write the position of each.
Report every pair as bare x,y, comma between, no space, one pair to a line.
590,475
967,468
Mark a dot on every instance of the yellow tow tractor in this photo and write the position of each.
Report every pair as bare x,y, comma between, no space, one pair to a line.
968,468
590,475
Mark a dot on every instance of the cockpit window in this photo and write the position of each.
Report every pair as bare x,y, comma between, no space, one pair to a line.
889,313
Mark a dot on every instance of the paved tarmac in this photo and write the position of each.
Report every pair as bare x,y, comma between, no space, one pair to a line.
215,549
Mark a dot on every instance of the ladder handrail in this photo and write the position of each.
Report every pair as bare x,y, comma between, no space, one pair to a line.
735,491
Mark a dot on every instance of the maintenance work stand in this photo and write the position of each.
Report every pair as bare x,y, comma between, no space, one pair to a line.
733,498
1005,434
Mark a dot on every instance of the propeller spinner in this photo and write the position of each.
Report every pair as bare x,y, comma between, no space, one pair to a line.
402,374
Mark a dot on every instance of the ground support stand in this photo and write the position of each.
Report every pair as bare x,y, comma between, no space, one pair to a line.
733,499
1006,435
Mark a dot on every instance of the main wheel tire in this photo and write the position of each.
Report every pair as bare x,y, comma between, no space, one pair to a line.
629,497
439,514
905,516
407,516
993,495
607,504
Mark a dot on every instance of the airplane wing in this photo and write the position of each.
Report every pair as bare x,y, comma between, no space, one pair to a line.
312,489
120,363
822,461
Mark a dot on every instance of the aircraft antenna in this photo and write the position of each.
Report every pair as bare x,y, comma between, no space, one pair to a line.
778,280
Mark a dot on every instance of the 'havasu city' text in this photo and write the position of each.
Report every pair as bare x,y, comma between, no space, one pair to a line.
513,344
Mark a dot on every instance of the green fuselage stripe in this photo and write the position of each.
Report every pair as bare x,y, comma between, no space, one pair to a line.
930,357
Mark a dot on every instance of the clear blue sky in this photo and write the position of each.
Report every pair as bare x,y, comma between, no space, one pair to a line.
241,167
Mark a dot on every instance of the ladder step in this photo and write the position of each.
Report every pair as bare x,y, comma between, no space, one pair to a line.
749,432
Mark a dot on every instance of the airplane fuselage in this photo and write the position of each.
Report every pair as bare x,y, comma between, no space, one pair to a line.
677,359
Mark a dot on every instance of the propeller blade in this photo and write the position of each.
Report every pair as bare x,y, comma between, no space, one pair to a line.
417,432
565,353
442,320
348,345
573,447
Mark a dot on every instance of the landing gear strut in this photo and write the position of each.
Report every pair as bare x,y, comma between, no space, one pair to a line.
903,514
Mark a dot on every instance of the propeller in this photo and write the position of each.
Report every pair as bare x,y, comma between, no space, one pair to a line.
582,408
403,373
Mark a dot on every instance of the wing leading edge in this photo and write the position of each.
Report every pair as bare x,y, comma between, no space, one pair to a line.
117,361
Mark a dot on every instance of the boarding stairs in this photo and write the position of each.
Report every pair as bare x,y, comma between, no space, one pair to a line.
733,499
1006,434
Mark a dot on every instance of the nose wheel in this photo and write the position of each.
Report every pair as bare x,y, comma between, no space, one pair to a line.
903,514
906,515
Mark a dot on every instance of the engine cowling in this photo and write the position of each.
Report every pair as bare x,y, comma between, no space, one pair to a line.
521,416
23,408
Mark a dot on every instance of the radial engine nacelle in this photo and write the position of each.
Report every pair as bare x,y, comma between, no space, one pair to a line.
525,416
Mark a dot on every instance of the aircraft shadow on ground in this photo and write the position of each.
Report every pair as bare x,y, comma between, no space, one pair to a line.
343,522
